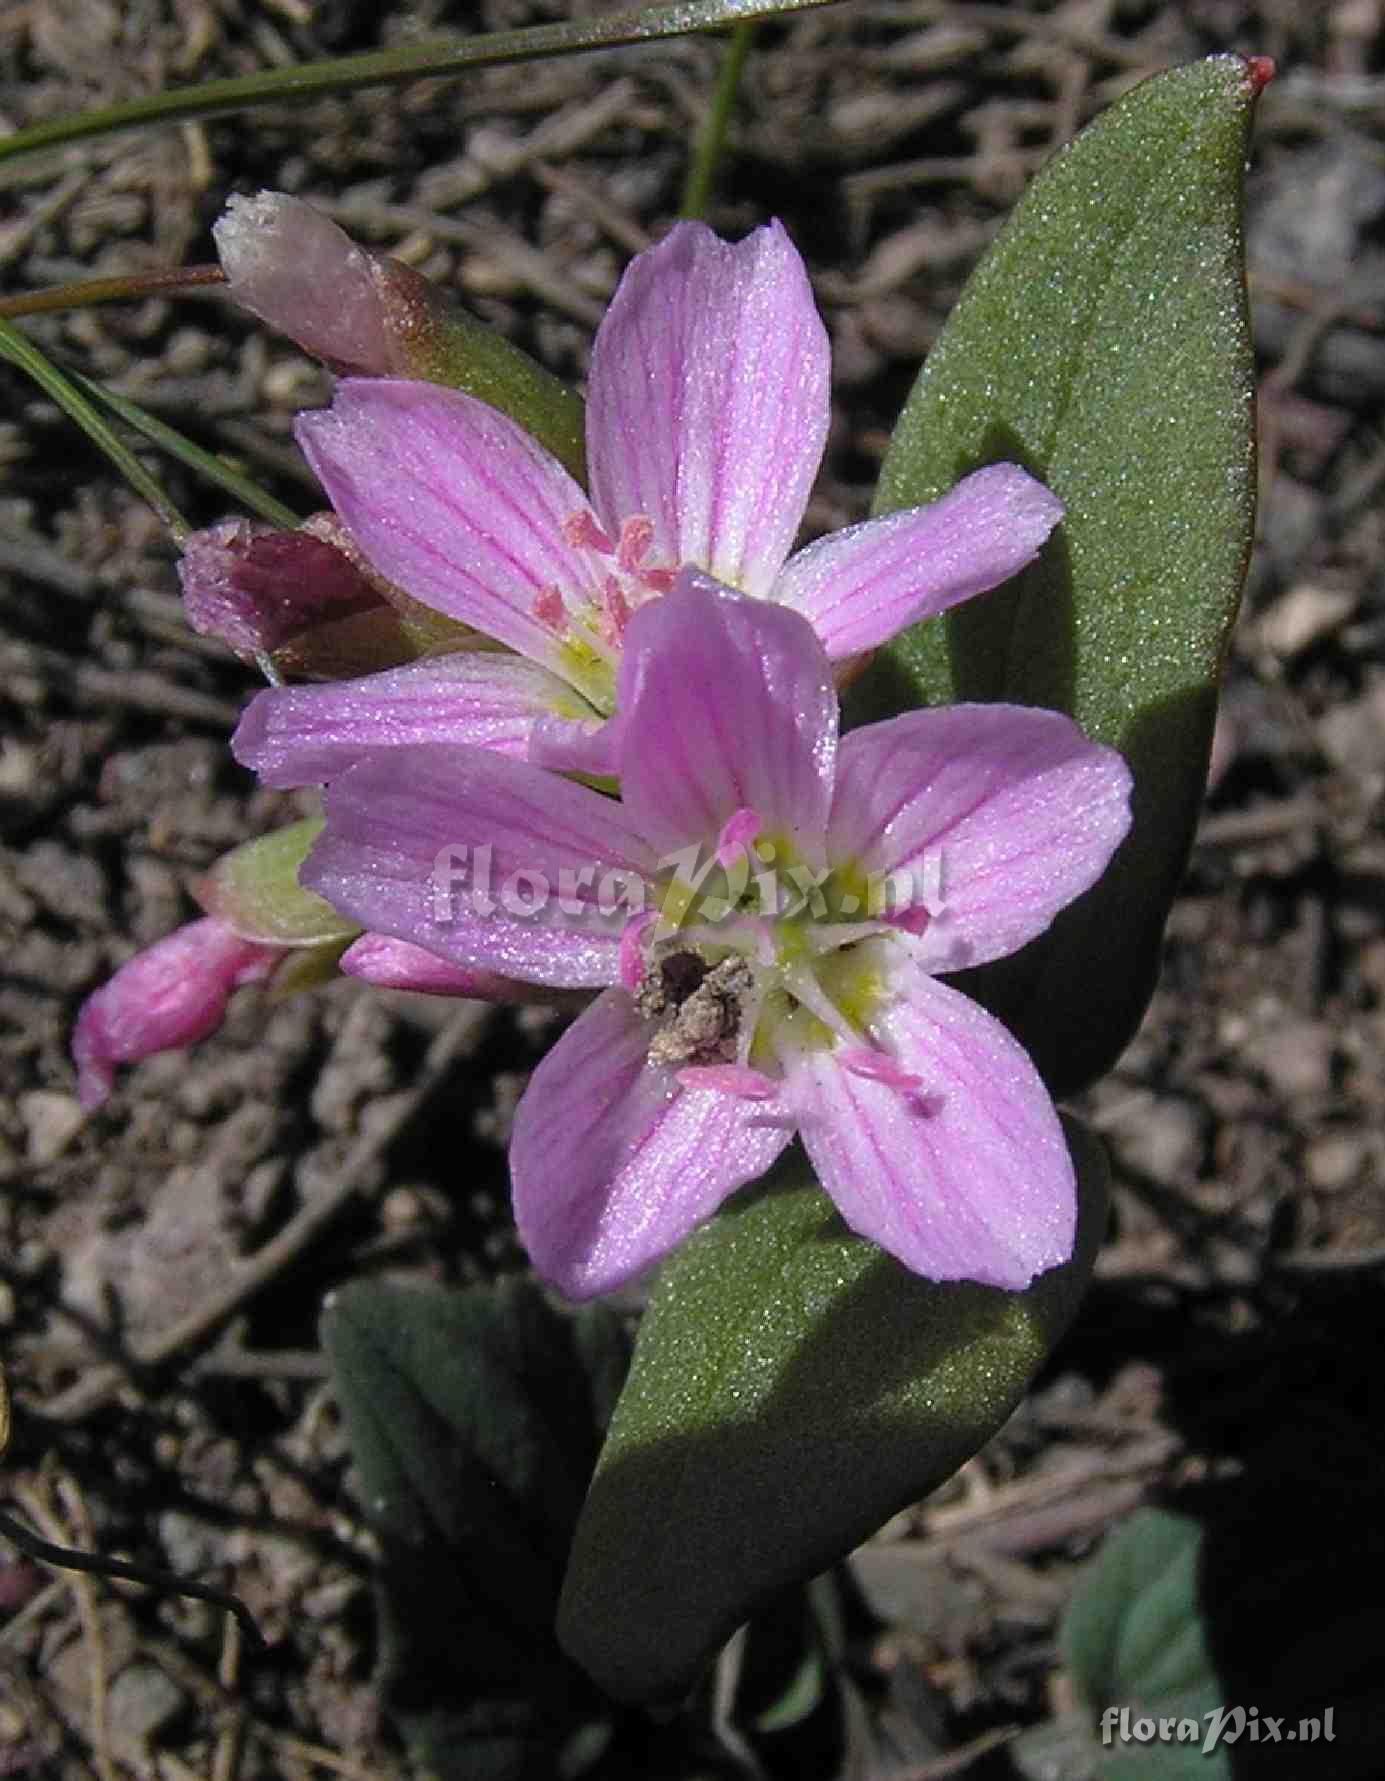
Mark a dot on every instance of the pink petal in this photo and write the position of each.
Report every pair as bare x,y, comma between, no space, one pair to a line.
867,583
966,1178
708,402
304,735
728,706
168,996
613,1163
455,503
999,814
482,860
395,964
587,746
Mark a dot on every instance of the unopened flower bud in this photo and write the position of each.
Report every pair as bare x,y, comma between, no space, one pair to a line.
170,995
255,586
306,598
399,964
294,268
371,314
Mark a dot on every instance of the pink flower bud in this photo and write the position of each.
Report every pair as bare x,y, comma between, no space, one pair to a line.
170,995
295,269
399,964
257,586
370,313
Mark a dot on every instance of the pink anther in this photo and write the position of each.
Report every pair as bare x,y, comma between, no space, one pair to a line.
636,536
632,950
581,531
878,1066
549,609
617,608
729,1079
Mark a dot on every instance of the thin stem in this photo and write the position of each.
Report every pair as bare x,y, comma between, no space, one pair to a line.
178,445
94,1565
711,140
23,353
90,291
411,62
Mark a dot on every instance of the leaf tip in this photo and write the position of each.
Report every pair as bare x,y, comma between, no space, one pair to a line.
1260,71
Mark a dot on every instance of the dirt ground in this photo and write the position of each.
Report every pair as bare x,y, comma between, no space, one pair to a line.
162,1263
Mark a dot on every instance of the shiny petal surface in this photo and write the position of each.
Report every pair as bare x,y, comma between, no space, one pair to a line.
587,746
708,402
965,1178
395,964
613,1164
999,815
482,860
305,735
455,503
861,586
728,706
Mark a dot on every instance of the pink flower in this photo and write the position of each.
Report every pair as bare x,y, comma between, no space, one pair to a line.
734,1011
168,996
707,412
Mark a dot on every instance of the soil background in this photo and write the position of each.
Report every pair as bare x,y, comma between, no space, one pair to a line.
163,1262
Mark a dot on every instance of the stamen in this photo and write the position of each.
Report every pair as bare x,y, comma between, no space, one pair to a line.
729,1079
581,531
658,581
636,536
751,932
735,838
752,1008
828,936
617,607
805,988
939,947
632,951
878,1066
550,611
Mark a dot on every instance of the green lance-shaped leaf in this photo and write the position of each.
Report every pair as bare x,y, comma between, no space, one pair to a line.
255,890
792,1388
1103,344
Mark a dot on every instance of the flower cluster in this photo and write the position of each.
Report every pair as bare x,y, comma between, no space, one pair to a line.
657,638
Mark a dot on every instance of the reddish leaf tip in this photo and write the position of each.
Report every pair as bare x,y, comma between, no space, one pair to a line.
1261,70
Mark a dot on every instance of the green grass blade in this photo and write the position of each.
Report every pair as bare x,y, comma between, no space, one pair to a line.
22,353
178,445
452,55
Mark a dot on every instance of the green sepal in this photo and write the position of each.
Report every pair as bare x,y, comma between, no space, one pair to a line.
792,1388
308,968
1103,344
255,890
396,631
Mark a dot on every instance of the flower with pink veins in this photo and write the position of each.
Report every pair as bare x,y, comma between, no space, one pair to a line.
707,412
735,1011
